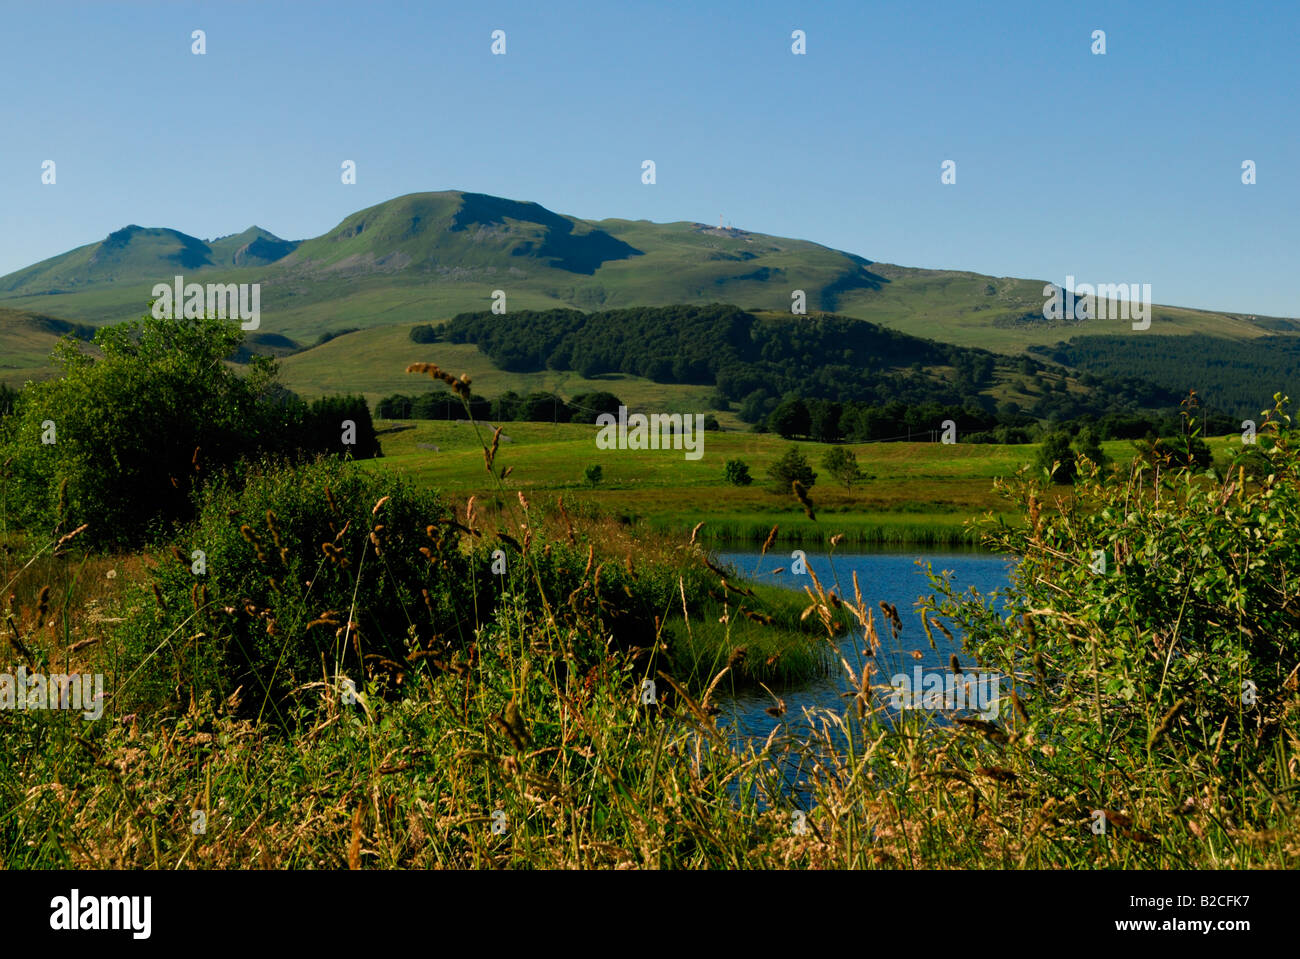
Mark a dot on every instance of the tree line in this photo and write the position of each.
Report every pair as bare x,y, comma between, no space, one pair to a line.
755,363
1235,377
537,407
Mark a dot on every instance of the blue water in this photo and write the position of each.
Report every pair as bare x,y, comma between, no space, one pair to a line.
892,576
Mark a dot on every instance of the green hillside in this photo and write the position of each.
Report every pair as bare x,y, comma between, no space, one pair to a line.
1006,314
136,256
427,256
718,358
26,340
373,363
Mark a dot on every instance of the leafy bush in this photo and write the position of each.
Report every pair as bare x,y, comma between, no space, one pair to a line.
597,600
737,473
1056,457
586,407
594,474
309,567
791,467
1087,443
120,442
132,431
1183,644
842,463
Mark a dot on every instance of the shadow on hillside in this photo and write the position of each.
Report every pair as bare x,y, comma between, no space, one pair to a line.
577,253
857,279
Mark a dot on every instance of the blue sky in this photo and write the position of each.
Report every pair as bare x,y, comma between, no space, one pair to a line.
1117,168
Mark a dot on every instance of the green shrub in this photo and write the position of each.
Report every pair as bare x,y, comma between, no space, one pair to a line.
1087,443
1152,625
121,441
586,407
294,554
1056,457
737,473
618,602
791,467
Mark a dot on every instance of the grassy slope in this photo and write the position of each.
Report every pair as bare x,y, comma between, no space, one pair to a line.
957,308
26,341
402,263
24,348
950,307
373,363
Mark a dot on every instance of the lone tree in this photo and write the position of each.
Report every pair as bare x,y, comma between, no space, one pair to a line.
1057,458
842,464
737,473
1087,443
790,467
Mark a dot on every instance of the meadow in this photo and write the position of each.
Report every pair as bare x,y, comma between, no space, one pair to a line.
919,493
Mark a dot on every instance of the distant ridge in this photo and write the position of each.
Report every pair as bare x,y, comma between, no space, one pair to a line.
424,257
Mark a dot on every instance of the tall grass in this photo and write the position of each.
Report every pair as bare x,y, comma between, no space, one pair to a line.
941,531
532,743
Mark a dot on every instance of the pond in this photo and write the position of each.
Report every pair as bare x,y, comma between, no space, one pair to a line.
893,576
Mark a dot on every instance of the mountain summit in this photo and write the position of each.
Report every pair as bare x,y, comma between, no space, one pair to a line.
426,256
428,231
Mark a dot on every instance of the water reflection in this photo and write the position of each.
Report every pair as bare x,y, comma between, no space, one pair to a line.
892,576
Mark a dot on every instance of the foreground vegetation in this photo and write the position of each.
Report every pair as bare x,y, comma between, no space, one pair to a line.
314,663
510,726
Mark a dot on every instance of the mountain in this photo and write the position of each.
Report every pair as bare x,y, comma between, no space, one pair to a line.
253,247
432,233
135,254
428,256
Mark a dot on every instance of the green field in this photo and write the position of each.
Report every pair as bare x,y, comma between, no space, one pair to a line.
920,492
